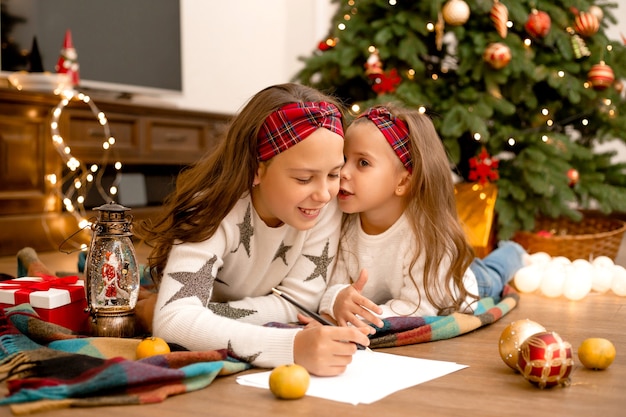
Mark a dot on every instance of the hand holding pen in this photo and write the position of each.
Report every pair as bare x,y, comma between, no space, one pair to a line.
310,313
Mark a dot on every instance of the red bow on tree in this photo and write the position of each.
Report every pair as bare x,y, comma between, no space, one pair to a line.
387,82
483,168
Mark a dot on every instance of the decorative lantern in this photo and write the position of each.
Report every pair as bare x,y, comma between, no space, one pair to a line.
112,274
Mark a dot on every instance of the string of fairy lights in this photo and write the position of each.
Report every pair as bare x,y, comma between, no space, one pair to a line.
549,124
80,178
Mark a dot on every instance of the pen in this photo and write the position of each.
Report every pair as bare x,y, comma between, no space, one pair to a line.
310,313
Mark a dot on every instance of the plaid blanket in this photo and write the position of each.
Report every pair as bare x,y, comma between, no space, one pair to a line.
399,331
47,366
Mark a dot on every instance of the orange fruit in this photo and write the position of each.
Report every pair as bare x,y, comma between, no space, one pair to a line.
151,346
289,382
596,353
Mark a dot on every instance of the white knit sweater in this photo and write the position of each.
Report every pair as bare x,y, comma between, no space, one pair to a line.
216,294
387,257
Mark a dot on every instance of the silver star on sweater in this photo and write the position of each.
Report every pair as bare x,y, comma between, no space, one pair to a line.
321,264
245,232
195,284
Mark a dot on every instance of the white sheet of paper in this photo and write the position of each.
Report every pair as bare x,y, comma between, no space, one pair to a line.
370,377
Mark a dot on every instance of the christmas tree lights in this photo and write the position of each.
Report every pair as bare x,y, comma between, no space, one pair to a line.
536,83
80,178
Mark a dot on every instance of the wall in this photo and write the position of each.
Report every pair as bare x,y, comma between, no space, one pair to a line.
232,49
615,32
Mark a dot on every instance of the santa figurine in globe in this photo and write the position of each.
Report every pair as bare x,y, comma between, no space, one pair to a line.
68,60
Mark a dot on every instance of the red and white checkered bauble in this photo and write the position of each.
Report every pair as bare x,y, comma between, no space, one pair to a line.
497,55
600,76
545,360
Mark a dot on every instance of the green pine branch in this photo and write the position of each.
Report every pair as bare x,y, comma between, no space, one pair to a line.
503,108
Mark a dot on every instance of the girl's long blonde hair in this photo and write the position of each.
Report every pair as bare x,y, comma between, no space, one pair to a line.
431,210
206,191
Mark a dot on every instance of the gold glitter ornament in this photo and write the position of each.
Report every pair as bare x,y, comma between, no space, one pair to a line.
512,338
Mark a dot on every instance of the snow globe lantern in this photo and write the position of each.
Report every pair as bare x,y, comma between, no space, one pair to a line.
112,274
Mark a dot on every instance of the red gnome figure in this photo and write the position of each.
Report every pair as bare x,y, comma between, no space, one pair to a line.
68,60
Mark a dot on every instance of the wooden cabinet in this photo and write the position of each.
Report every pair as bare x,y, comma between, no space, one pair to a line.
152,140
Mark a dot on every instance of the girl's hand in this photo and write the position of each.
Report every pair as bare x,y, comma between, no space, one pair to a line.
350,303
326,350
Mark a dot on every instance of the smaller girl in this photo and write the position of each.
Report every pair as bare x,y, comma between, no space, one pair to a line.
401,233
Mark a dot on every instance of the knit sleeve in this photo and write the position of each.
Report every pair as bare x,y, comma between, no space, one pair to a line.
186,314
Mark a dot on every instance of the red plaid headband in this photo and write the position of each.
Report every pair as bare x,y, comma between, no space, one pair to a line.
292,123
395,131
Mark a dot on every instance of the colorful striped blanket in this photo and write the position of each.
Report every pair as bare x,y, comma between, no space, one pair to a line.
47,366
399,331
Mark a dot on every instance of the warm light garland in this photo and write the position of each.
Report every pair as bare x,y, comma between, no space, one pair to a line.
81,177
573,279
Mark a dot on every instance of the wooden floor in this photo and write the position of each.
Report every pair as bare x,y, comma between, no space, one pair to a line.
486,388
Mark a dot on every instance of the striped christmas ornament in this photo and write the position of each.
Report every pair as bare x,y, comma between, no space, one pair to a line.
586,24
600,76
499,15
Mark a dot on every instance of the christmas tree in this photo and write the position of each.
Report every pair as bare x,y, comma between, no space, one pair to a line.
521,92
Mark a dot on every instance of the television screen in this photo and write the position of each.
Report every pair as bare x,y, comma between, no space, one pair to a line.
123,46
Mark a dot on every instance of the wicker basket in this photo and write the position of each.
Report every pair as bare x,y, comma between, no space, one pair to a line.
595,235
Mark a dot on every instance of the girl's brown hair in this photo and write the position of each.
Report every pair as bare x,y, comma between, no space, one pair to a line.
207,190
431,210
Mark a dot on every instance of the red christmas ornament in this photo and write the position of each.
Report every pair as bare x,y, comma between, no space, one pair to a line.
68,60
323,46
545,360
483,168
600,76
538,24
387,82
573,176
327,44
497,55
586,24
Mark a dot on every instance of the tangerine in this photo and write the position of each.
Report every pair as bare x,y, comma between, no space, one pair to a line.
289,382
151,346
596,353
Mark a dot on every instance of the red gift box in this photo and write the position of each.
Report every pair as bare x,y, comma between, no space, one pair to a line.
60,301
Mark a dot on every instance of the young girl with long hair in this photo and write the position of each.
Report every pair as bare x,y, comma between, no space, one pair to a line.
403,247
257,213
